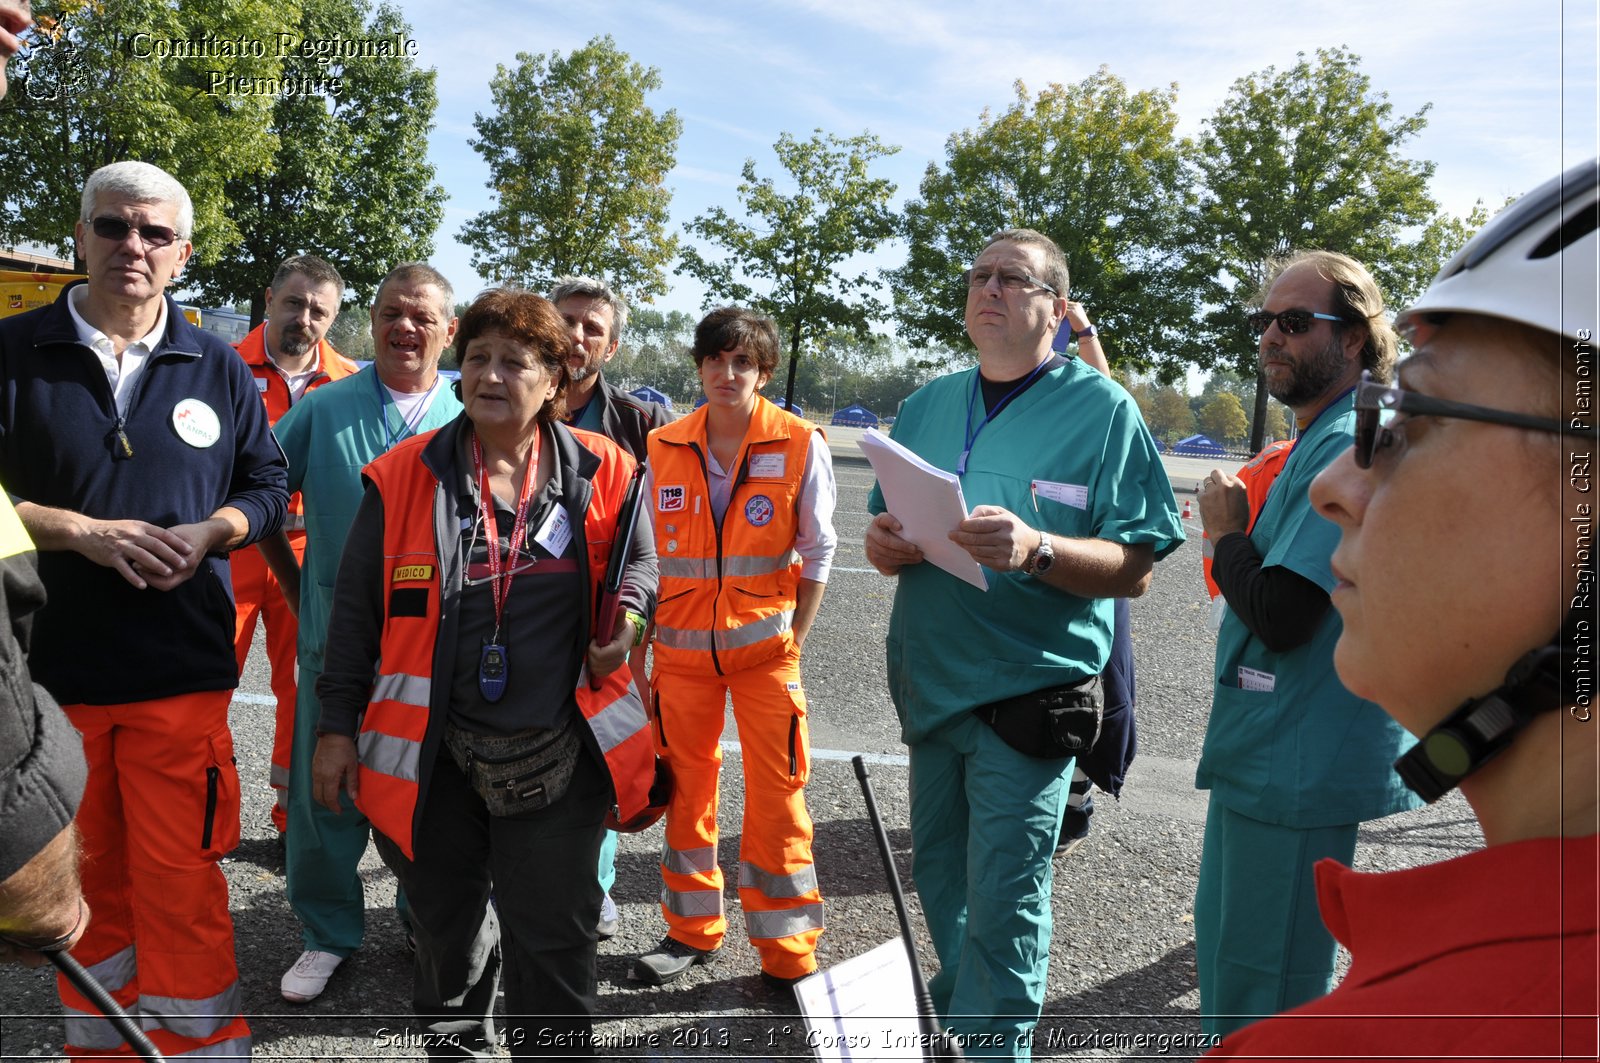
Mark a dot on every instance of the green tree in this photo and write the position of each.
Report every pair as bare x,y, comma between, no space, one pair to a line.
1223,419
1099,169
1277,426
95,90
655,352
1309,157
1166,412
799,242
350,179
577,162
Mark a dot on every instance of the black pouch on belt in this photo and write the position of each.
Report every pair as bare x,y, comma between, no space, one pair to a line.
1049,724
517,774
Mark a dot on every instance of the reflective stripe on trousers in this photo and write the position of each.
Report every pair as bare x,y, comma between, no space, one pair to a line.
689,861
693,904
777,887
784,923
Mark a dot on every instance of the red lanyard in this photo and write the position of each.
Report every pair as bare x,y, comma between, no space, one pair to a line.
519,526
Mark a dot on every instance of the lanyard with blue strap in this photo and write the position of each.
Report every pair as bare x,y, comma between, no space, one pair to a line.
407,426
972,433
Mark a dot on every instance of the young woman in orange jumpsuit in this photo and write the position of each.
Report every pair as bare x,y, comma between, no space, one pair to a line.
742,495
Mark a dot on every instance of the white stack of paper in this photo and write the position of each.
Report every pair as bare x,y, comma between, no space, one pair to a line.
926,501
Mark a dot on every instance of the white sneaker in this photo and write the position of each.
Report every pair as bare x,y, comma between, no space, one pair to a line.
305,981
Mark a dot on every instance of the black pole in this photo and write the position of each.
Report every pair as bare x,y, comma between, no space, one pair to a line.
936,1043
90,987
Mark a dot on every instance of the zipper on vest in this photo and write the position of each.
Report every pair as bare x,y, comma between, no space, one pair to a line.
705,478
123,448
661,729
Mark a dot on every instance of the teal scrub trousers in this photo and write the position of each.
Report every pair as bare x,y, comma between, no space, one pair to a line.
984,822
323,850
1260,944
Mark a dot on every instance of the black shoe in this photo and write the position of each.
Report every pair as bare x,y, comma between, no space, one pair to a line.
668,960
779,984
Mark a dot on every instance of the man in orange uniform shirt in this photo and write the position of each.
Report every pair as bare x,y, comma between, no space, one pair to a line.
289,356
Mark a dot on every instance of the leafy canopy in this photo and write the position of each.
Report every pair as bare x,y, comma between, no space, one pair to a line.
577,162
790,259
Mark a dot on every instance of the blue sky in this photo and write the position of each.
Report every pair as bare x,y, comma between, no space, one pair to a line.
1512,84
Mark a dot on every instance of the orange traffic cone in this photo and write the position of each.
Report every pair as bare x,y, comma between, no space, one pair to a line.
1187,511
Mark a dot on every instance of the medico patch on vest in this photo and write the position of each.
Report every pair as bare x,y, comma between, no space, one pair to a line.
767,466
412,573
670,498
759,510
196,423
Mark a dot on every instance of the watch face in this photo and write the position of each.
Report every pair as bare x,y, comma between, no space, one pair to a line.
1045,558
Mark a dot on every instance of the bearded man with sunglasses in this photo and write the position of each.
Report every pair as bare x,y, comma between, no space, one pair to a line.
1293,760
138,453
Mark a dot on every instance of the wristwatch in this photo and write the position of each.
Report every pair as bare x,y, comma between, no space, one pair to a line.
1040,558
1086,331
639,624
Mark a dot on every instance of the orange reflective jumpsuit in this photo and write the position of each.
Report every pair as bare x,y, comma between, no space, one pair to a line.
255,589
727,601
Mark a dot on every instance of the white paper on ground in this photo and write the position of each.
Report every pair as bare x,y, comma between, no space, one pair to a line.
863,1008
926,501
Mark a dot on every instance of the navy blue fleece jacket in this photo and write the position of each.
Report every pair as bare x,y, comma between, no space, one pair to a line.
99,640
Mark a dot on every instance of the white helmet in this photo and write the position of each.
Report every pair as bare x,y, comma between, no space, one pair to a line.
1535,262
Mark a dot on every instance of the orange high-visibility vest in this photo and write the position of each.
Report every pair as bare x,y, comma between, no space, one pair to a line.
1257,474
275,392
728,594
406,700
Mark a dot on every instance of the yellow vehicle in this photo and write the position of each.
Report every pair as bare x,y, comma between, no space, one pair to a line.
21,291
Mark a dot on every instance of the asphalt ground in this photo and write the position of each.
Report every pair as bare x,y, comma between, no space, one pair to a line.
1122,976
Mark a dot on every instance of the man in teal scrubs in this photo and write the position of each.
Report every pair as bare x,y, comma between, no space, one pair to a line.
1070,508
1293,760
328,437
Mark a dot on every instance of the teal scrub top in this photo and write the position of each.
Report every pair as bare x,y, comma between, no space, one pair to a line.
951,646
328,437
1307,753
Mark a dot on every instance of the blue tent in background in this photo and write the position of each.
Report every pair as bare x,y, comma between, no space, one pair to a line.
856,417
1198,447
650,394
701,401
797,409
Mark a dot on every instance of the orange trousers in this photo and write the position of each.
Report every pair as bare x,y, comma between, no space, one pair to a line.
160,810
777,879
256,594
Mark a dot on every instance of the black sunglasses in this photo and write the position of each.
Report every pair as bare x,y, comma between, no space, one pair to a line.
1373,400
116,230
1010,280
1290,322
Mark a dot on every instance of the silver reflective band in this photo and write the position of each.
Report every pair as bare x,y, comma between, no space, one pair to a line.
406,689
755,631
783,924
679,638
116,970
798,884
278,776
692,904
193,1019
619,721
389,755
83,1030
738,565
689,861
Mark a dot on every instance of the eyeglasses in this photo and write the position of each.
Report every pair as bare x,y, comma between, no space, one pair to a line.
1290,322
1010,280
116,230
1377,434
